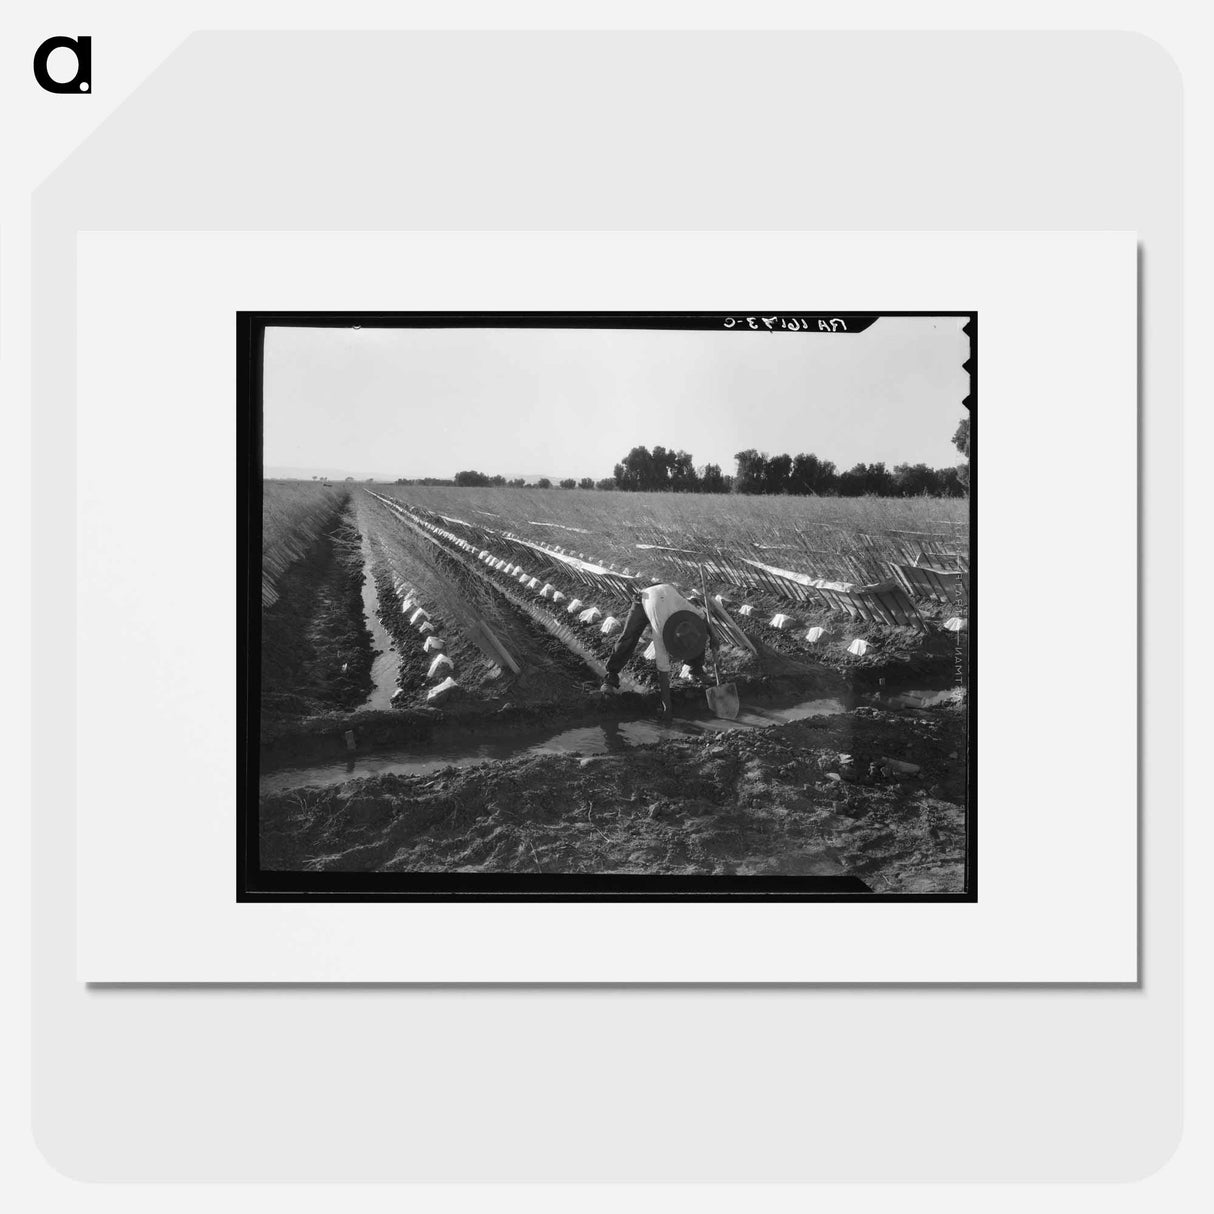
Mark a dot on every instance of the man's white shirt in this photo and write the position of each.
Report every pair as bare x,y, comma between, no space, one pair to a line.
660,603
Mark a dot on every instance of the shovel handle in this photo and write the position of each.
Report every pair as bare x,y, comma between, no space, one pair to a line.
708,620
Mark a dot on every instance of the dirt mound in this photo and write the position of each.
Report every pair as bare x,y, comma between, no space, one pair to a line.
315,648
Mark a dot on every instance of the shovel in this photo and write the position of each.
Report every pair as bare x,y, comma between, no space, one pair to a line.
723,698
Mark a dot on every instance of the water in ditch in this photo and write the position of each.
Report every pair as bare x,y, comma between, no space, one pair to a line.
601,738
386,663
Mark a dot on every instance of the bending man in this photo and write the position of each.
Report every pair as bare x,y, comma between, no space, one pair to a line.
680,634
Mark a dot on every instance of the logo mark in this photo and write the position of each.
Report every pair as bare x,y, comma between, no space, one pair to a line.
82,81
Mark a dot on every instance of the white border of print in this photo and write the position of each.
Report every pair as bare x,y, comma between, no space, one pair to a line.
156,445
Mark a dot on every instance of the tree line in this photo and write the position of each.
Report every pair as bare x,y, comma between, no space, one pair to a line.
802,475
667,471
474,479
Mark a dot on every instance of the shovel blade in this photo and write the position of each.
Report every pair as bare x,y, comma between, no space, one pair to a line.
723,700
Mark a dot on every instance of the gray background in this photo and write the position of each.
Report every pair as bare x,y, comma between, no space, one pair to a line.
567,131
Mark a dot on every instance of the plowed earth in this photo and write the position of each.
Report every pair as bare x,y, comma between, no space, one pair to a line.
772,801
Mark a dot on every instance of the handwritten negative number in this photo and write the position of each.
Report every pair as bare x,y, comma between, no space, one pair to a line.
792,324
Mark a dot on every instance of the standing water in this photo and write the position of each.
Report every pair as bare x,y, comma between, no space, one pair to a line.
386,663
603,738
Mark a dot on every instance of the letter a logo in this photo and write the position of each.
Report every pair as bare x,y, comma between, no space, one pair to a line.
82,81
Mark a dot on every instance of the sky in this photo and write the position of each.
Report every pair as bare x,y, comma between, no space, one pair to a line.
410,403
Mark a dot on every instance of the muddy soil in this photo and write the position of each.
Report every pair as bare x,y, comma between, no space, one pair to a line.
773,801
322,738
414,660
316,652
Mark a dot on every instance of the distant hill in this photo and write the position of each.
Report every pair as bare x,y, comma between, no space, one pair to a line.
306,474
340,474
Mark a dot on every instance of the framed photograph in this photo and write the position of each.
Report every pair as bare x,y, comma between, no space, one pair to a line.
404,758
607,606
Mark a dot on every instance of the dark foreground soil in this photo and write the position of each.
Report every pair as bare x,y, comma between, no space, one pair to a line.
747,802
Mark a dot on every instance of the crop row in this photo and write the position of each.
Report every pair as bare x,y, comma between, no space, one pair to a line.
900,600
509,631
558,580
440,669
292,517
848,540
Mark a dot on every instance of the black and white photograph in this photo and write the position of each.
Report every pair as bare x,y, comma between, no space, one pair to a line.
607,606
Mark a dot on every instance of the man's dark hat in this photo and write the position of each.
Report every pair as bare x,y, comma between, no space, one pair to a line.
684,634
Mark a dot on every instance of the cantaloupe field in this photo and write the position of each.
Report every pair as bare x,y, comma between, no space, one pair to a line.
403,623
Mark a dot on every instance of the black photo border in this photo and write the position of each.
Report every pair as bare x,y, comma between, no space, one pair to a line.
254,884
